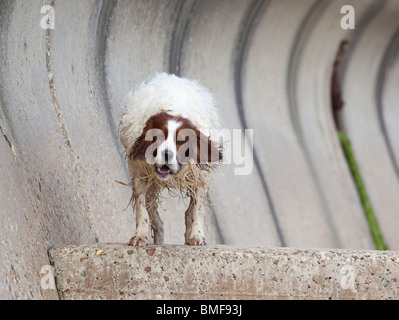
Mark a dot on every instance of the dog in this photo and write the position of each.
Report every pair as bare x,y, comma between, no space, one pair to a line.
169,131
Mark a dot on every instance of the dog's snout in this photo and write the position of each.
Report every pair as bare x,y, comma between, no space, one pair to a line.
168,155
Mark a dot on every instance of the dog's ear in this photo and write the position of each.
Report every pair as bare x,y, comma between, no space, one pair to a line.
145,146
138,150
208,153
198,147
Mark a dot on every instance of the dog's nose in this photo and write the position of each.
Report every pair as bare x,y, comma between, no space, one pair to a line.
168,155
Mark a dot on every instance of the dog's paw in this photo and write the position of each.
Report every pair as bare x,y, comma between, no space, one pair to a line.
196,240
138,241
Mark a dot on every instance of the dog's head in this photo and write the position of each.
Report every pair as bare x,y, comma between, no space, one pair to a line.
169,142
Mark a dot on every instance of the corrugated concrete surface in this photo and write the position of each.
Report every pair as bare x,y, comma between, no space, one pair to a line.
111,271
268,64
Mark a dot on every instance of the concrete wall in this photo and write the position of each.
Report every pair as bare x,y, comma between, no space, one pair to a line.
269,66
170,272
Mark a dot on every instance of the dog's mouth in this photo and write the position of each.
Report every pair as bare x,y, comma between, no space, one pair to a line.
163,171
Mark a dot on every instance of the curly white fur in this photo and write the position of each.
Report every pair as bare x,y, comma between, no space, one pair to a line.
178,97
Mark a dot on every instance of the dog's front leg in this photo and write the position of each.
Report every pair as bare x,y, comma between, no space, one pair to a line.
155,219
195,216
140,238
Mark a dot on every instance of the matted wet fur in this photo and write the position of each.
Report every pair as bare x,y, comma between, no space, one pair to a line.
170,103
182,185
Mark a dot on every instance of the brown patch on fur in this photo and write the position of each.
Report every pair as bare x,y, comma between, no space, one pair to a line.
205,153
157,121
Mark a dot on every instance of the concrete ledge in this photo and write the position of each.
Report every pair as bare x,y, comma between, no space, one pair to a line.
114,271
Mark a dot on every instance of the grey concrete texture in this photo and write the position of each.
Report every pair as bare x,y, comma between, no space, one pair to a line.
367,112
112,271
268,64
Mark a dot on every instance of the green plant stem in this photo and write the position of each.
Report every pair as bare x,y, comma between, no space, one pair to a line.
361,189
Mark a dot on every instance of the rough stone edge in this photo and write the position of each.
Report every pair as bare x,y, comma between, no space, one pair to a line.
115,271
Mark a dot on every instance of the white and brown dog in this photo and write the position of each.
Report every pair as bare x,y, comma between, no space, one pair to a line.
169,131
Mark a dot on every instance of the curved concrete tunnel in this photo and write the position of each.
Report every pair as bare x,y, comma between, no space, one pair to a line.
269,66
